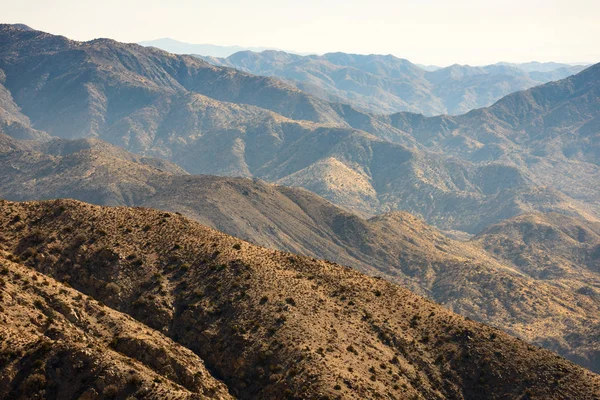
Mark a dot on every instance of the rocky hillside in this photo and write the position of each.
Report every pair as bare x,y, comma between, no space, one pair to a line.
549,247
102,84
269,324
56,342
395,246
387,84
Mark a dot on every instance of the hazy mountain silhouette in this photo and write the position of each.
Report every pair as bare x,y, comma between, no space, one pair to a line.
178,47
387,84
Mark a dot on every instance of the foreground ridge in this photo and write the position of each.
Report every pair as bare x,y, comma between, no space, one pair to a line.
271,324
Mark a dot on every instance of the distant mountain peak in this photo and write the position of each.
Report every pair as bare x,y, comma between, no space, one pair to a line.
204,49
23,27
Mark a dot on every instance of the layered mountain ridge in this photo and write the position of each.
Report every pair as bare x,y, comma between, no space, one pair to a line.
387,84
395,246
453,171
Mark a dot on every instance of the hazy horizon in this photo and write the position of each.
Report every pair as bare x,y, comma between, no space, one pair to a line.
262,48
437,32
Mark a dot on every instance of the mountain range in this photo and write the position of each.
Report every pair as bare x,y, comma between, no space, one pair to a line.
459,173
385,84
512,190
266,324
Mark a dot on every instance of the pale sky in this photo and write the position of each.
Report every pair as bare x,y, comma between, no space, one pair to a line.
439,32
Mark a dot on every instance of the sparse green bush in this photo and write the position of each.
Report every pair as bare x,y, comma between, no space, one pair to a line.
113,288
185,267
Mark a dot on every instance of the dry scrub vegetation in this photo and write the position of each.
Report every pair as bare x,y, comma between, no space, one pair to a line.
268,324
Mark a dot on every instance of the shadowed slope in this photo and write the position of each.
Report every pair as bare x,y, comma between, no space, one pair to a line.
57,343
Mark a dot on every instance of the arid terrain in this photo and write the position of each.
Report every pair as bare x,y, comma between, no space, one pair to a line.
277,226
268,324
395,246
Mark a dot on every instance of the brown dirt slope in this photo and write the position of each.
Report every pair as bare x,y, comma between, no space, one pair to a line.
57,343
275,325
549,246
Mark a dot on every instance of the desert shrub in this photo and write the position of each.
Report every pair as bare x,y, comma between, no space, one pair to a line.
113,288
28,253
111,391
185,267
134,379
78,240
34,383
114,342
290,301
